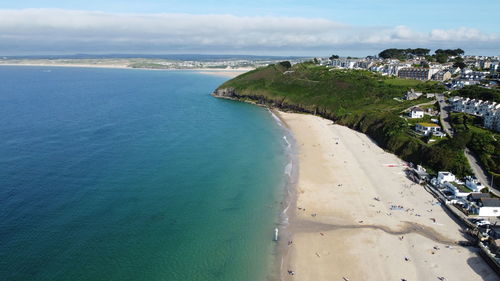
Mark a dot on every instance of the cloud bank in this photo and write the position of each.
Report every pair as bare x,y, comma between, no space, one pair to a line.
38,31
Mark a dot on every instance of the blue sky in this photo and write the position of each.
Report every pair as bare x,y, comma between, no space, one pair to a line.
468,24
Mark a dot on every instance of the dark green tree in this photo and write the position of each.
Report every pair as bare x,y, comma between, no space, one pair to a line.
285,64
441,57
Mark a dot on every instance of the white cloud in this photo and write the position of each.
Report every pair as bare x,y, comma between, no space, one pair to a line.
54,30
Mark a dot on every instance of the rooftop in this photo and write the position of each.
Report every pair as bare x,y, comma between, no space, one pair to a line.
490,202
476,196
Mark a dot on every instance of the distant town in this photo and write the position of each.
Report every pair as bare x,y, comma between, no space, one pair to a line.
450,66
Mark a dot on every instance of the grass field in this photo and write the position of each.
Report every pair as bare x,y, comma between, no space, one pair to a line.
359,99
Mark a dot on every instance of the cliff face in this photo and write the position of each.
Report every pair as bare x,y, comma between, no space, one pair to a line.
261,100
228,93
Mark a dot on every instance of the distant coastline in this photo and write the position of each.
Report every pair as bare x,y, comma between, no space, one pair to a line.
228,73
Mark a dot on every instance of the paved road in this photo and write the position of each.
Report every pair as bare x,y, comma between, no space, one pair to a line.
444,115
479,172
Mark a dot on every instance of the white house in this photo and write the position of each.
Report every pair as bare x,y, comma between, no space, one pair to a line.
445,177
457,193
489,207
473,184
427,128
416,112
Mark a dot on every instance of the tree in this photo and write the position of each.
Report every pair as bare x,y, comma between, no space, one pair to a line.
421,52
441,57
333,57
460,65
285,64
424,64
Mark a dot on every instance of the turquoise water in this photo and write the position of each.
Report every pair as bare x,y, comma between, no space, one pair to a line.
109,174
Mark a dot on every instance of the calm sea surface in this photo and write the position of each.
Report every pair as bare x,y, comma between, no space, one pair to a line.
109,174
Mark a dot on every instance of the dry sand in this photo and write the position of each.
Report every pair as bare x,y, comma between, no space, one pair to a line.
343,226
228,73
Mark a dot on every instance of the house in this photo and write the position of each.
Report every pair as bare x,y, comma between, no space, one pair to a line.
442,75
488,207
457,193
427,128
473,75
416,112
417,73
473,184
455,70
475,197
445,177
418,174
412,95
491,120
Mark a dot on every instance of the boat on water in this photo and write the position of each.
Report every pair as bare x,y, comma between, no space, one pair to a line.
276,234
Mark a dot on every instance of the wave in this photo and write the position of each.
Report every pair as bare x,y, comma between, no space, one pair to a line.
278,120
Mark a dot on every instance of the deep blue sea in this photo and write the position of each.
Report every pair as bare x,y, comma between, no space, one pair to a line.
119,174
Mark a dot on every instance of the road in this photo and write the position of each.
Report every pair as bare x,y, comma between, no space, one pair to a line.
419,105
444,115
478,171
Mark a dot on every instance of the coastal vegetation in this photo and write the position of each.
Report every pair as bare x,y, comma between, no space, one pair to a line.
403,54
440,55
484,143
362,100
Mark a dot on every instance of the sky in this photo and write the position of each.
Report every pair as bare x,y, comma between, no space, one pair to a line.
288,27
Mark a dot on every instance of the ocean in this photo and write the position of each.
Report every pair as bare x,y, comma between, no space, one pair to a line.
120,174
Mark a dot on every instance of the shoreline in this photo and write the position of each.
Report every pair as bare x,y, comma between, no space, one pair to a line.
342,220
227,73
288,201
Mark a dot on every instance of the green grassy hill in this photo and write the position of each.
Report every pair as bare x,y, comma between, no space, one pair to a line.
361,100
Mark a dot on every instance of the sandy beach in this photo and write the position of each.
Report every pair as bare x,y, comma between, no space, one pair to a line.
228,73
343,226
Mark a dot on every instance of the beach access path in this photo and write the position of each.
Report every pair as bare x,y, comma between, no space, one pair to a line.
358,217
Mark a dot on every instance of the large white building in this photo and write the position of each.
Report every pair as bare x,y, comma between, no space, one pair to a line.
445,177
417,73
490,111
